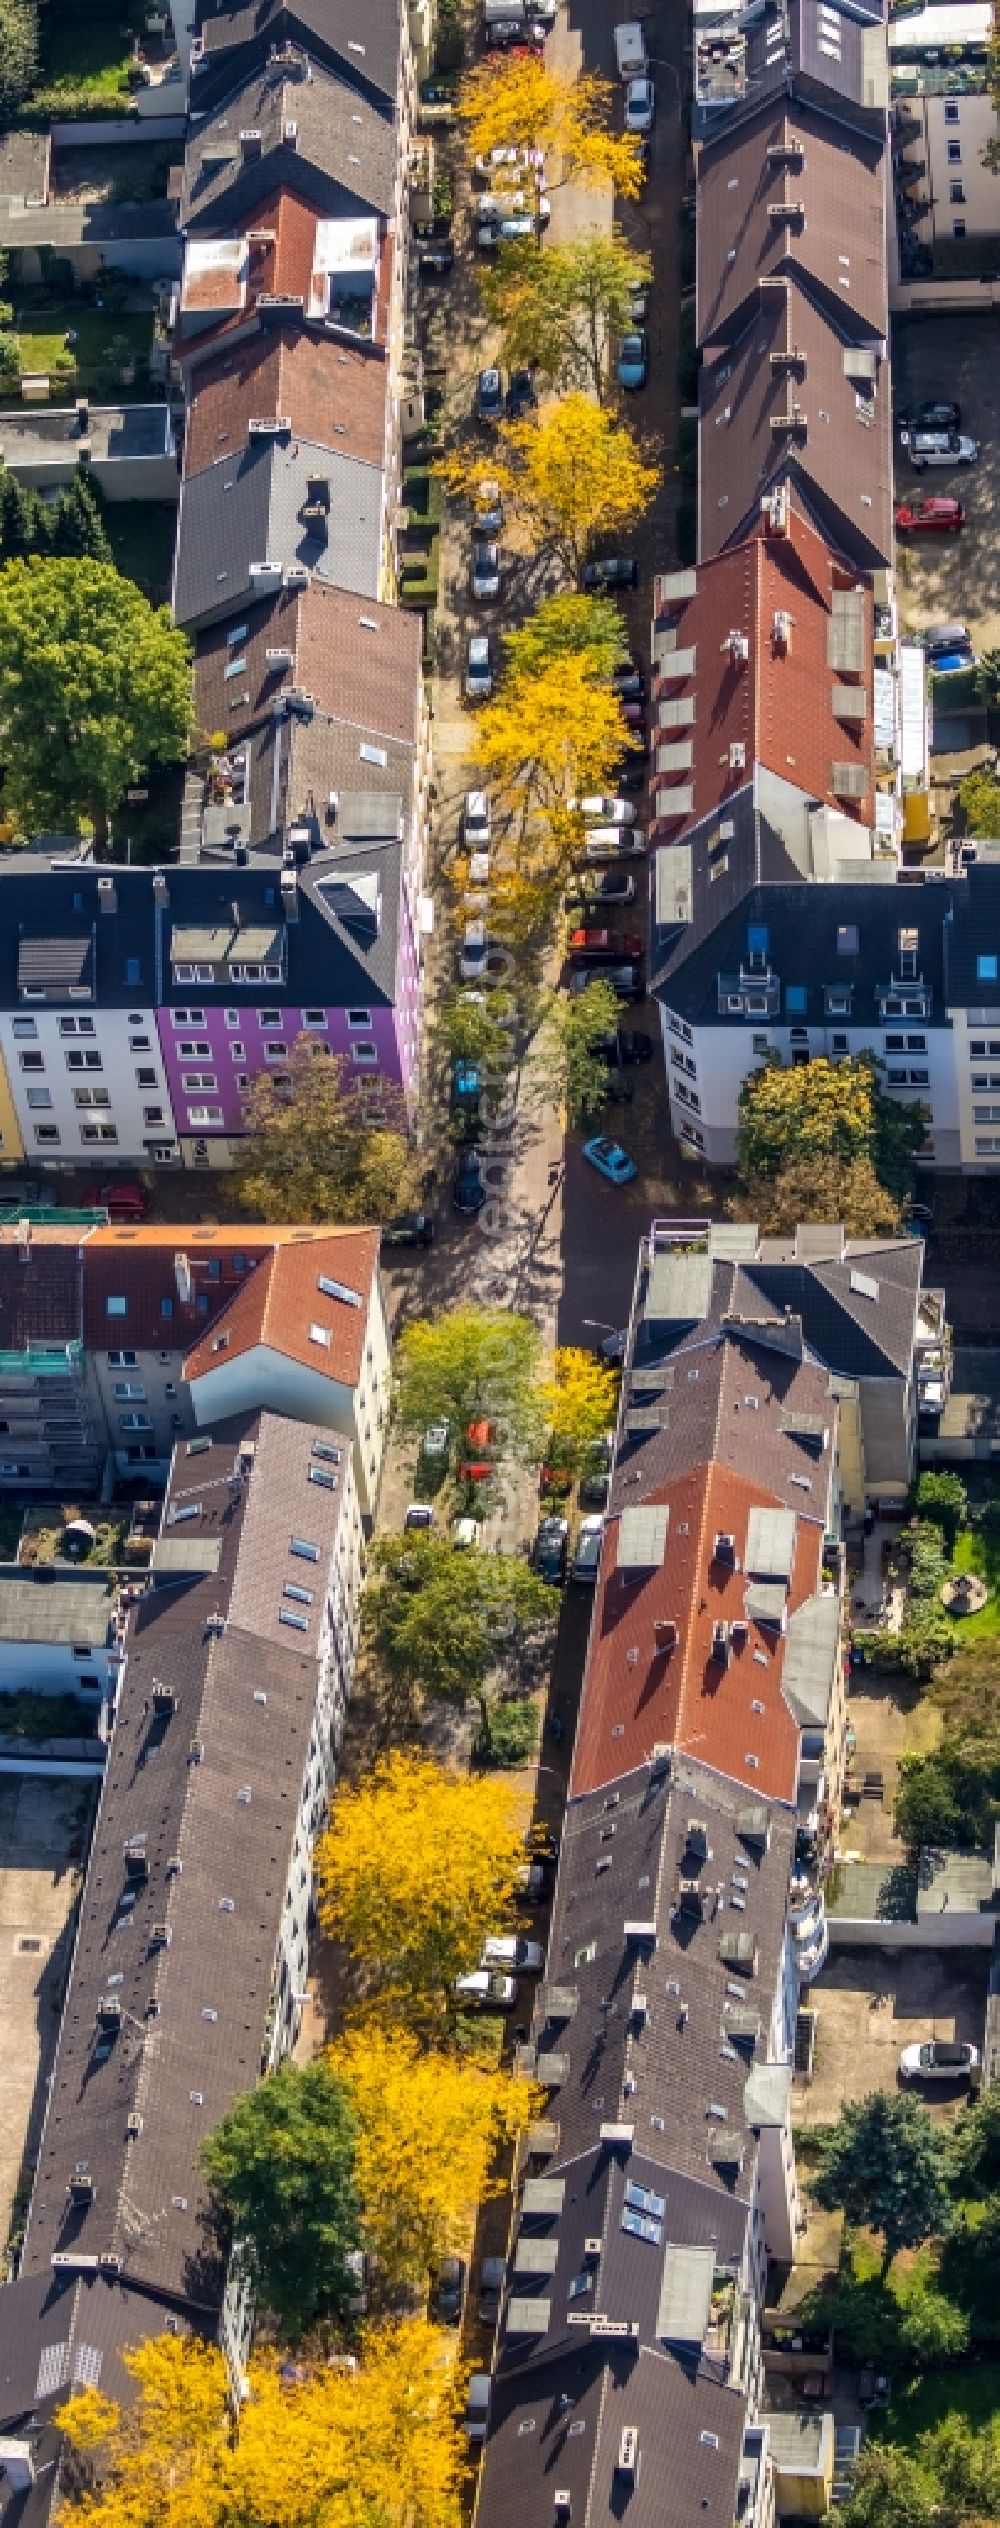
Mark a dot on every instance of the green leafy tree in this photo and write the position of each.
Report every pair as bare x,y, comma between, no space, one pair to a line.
568,626
979,800
821,1187
480,1031
942,1496
926,1637
559,311
311,1154
18,53
76,525
282,2166
795,1113
446,1623
95,685
975,2147
19,522
884,2165
893,2488
573,1028
932,2330
940,1799
969,2262
466,1365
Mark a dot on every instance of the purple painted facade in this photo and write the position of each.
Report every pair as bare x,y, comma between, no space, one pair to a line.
208,1055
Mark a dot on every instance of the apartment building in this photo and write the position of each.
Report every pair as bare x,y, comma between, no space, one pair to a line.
61,1632
188,1973
120,1340
944,137
660,2181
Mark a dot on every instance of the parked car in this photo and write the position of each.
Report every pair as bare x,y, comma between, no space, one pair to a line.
484,576
487,1988
446,2298
420,1514
466,1534
550,1550
587,1555
521,396
633,710
476,821
938,516
952,662
633,774
615,841
487,507
479,668
602,886
601,947
937,416
629,681
640,105
474,952
626,981
510,1950
475,2420
938,2061
465,1084
21,1193
939,447
600,811
610,1160
489,396
123,1200
468,1191
492,2276
945,636
619,1088
614,571
633,362
436,261
409,1228
486,233
436,1440
639,296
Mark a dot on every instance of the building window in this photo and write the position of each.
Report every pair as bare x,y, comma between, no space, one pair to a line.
116,1307
954,153
194,1048
31,1062
194,974
198,1115
84,1062
796,997
956,191
121,1360
145,1076
99,1132
39,1097
986,969
840,1044
134,1422
138,1044
129,1391
238,1050
958,227
268,1018
91,1097
76,1026
359,1018
133,970
951,109
152,1114
198,1079
46,1134
166,1307
275,1050
364,1053
25,1027
314,1018
187,1018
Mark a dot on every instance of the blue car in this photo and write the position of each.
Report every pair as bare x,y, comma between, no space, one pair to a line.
610,1160
468,1192
950,662
633,361
465,1082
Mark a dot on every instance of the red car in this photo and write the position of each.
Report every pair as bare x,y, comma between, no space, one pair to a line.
938,515
589,942
125,1202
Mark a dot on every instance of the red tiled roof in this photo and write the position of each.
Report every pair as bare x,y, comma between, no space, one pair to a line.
331,394
140,1265
281,1304
637,1695
778,704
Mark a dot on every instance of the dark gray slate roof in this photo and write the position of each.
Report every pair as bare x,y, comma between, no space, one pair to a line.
248,508
361,38
802,919
58,2332
562,2427
973,932
341,156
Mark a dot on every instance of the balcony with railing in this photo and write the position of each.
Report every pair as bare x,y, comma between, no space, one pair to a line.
809,1928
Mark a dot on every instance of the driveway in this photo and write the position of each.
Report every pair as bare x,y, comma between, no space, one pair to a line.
952,579
869,2003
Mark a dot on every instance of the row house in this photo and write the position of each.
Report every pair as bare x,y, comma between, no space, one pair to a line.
121,1340
189,1968
944,133
659,2182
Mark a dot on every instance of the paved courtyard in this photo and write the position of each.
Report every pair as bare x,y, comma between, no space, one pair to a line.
42,1840
869,2004
953,578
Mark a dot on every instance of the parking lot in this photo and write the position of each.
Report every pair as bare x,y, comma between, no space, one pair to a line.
952,578
42,1838
872,2002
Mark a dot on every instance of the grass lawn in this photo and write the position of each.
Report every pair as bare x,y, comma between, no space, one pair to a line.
978,1549
84,56
141,535
969,2389
42,333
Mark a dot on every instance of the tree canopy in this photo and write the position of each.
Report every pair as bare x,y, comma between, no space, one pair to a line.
952,1794
884,2165
950,2476
580,1400
801,1114
325,2445
574,473
559,312
979,800
69,525
444,1622
310,1154
18,53
282,2165
568,625
822,1187
417,1867
95,685
429,2127
508,98
467,1364
573,1027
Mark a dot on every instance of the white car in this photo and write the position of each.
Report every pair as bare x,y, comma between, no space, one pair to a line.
603,839
514,1952
938,2061
420,1514
479,668
476,820
484,577
586,1559
475,953
604,811
939,447
487,1989
640,105
465,1534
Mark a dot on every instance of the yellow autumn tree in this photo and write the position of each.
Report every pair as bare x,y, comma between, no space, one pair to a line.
572,474
543,740
430,2129
417,1866
324,2446
580,1400
507,100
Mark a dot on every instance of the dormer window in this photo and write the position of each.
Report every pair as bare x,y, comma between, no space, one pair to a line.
757,943
986,969
908,944
796,999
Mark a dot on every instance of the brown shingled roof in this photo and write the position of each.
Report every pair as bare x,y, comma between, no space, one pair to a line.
279,1304
838,455
140,1266
360,661
777,704
838,242
332,395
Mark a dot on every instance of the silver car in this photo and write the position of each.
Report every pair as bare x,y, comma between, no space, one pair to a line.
939,447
